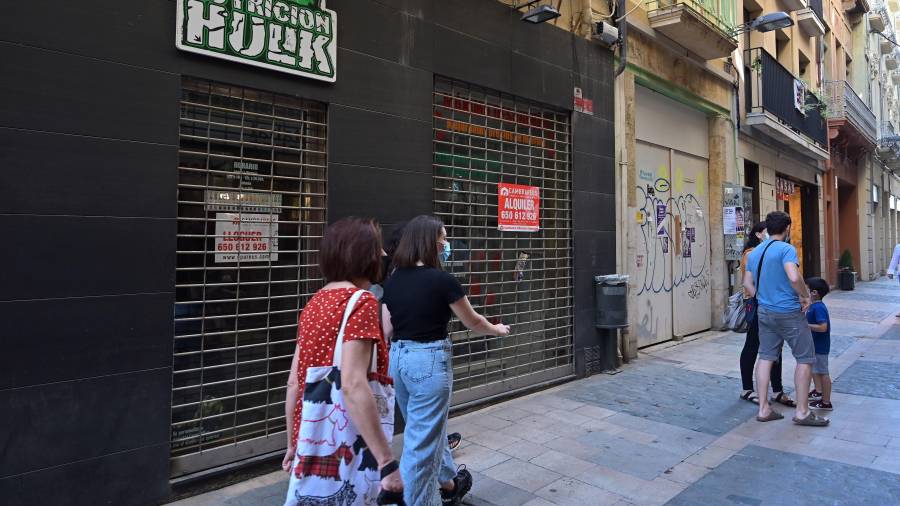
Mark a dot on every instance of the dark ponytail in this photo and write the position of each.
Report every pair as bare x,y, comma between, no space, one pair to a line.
753,241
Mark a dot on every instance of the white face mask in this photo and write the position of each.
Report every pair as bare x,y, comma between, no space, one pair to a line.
765,236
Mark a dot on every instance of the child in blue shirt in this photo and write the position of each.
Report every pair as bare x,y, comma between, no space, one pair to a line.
820,325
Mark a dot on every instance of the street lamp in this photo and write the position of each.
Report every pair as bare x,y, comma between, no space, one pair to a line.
766,23
538,14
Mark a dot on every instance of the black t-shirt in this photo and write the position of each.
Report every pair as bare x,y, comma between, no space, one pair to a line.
419,300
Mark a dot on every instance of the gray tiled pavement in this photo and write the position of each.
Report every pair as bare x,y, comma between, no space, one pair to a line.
840,344
669,428
871,379
893,333
871,296
688,399
863,315
757,475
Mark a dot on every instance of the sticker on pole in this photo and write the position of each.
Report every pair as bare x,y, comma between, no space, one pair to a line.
518,208
246,237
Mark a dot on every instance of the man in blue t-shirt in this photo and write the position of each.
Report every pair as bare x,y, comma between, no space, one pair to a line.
782,299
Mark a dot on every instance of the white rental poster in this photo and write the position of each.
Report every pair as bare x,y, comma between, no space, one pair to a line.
729,219
246,237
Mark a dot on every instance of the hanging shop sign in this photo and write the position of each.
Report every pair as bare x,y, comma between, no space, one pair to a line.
294,36
246,237
784,188
518,208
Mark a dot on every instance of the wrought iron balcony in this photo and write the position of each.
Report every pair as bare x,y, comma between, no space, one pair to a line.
772,108
888,149
811,22
704,27
811,19
816,6
849,113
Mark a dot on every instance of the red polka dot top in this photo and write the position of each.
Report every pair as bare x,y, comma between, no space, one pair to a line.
317,332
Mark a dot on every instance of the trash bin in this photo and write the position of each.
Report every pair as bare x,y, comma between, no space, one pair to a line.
611,314
611,297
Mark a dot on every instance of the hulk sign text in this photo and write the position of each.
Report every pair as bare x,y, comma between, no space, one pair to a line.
291,36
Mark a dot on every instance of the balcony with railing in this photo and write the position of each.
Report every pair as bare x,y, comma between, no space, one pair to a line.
811,19
888,148
857,6
816,6
849,115
772,108
704,27
879,19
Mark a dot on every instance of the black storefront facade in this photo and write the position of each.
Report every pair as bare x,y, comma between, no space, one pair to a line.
167,208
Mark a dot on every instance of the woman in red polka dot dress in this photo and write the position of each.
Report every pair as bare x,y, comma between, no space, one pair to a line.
350,258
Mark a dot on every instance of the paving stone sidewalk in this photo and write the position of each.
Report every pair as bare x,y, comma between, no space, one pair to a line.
670,429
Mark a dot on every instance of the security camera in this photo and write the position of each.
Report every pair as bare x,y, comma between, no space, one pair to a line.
605,33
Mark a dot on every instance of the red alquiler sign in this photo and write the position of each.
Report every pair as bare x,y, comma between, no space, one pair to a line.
518,208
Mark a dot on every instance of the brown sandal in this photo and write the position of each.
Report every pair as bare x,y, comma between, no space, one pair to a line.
782,398
750,396
812,420
774,415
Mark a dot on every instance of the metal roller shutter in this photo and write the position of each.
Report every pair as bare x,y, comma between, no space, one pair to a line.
482,138
251,212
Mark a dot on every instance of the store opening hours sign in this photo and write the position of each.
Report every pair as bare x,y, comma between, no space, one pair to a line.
246,237
518,208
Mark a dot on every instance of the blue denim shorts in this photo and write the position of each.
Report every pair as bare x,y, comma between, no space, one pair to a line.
821,365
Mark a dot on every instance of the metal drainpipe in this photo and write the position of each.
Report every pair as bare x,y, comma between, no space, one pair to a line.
623,35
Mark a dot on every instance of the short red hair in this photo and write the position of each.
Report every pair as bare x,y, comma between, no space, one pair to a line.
351,249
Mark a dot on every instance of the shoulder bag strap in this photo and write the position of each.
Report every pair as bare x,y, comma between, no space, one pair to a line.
759,267
339,343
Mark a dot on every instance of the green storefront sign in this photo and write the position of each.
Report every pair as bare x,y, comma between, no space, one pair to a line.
294,36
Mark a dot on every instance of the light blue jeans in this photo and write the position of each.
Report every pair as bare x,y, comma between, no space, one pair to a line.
423,382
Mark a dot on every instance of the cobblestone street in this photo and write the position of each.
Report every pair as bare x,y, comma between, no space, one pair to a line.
670,429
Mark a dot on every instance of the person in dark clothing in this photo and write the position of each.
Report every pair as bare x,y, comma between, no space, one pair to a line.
420,298
751,342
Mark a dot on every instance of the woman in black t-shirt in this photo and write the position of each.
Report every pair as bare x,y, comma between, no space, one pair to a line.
421,298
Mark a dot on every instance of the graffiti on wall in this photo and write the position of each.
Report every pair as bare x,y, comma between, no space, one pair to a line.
655,241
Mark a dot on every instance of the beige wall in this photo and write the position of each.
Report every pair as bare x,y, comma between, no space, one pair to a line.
796,41
575,15
658,58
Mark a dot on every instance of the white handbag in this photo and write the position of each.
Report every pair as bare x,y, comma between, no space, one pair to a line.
333,465
735,318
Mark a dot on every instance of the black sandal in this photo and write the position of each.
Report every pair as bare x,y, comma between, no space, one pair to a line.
750,396
782,398
453,440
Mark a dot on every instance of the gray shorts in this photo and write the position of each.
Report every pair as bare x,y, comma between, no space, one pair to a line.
821,365
775,329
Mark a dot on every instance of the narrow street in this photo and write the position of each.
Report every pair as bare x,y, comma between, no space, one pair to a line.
670,429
